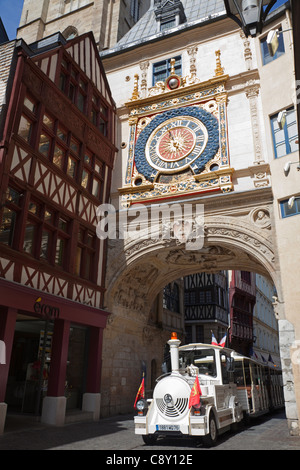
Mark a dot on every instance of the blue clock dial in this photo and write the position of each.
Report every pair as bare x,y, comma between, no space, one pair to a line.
177,140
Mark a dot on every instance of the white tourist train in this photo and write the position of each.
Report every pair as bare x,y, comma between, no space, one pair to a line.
209,389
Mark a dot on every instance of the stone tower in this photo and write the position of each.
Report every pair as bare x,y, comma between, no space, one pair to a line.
109,20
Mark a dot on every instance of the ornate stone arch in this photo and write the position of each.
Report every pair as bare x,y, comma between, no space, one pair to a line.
139,268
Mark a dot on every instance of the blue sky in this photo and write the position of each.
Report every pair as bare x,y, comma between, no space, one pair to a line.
10,13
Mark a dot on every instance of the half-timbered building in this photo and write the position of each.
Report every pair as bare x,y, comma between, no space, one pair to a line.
242,299
206,306
56,157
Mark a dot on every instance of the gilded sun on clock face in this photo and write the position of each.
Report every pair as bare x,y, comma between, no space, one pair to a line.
176,143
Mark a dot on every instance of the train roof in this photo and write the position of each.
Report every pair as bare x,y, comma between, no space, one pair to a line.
195,346
237,356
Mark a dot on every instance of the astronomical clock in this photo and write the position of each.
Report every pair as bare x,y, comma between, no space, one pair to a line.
178,139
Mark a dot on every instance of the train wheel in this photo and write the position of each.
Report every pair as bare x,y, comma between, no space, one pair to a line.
149,439
211,438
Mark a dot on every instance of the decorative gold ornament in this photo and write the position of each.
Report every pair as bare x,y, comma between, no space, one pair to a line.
219,69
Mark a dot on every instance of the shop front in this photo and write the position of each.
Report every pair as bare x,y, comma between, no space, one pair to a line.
53,349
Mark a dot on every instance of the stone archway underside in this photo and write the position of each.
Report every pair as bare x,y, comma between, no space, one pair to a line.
138,268
236,237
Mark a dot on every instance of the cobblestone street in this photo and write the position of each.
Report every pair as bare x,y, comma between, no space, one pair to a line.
117,434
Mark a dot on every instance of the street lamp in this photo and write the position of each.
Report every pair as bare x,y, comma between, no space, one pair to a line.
251,14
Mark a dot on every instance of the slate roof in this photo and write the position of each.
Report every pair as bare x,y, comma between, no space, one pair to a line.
146,29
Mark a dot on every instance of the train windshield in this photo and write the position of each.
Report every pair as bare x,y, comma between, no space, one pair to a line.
203,359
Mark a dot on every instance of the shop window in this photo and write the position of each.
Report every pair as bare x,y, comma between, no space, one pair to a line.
266,57
285,140
161,70
77,364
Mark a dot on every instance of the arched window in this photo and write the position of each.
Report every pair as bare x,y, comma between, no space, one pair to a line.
70,32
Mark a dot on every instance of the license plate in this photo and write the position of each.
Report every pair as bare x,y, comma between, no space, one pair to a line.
167,427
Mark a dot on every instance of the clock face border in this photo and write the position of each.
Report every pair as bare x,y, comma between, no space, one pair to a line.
175,126
197,165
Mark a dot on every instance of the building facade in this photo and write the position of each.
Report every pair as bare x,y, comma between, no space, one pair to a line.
242,185
108,20
242,299
265,324
57,152
190,68
206,309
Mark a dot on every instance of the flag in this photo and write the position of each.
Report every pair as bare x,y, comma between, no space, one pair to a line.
195,394
223,341
263,358
141,392
270,359
213,340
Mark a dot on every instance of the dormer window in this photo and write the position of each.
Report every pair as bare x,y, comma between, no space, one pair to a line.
169,13
167,24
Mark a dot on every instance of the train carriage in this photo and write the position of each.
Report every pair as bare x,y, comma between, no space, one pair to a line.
259,387
208,390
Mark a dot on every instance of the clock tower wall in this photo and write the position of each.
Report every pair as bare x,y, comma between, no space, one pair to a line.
108,20
131,78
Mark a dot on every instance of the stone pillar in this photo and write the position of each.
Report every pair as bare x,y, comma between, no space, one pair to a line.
92,398
286,341
54,404
8,318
